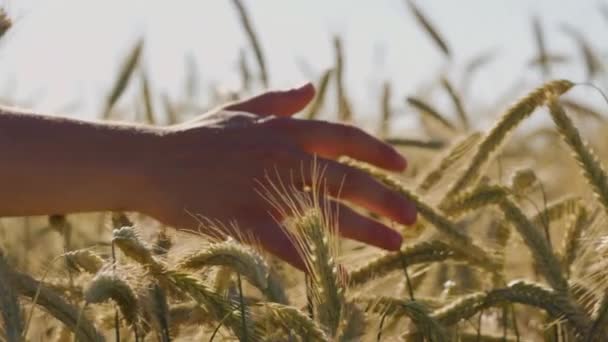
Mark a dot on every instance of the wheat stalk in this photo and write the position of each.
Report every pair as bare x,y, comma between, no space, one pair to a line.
428,27
317,103
540,45
9,304
253,40
353,324
154,304
344,107
124,76
426,109
462,115
385,107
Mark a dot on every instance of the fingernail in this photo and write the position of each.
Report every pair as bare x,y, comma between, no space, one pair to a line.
400,162
395,241
409,213
303,87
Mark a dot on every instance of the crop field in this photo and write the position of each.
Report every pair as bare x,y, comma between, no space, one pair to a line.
510,244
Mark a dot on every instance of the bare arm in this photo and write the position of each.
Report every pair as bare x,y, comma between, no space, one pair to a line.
209,167
58,165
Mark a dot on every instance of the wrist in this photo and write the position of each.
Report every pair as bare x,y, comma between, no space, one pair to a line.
56,165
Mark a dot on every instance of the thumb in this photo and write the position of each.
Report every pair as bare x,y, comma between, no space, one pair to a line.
279,103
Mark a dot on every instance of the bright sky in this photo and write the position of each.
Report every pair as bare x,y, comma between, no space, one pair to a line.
63,51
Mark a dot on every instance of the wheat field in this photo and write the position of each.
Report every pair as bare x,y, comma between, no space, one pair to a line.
510,244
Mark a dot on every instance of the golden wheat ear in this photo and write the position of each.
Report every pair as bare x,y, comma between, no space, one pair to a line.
509,121
312,228
593,170
290,318
107,285
427,326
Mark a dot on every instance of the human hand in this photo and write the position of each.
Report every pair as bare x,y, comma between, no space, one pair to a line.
210,167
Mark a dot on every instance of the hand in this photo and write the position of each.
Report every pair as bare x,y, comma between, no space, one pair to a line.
210,167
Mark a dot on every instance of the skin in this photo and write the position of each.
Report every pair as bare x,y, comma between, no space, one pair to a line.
211,166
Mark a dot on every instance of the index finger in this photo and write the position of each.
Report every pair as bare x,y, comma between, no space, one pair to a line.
280,102
332,140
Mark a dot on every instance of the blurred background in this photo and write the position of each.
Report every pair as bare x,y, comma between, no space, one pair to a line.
64,55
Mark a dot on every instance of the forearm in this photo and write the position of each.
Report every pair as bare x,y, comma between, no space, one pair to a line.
56,165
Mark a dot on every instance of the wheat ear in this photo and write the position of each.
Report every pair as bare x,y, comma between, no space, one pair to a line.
423,252
572,238
128,241
314,245
416,311
454,236
107,285
84,259
290,318
514,115
522,292
452,155
236,256
593,169
225,310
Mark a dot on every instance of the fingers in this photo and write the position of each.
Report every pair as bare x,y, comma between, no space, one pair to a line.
364,229
279,103
331,140
276,240
358,188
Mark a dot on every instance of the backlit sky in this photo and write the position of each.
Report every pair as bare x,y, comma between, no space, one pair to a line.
62,51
